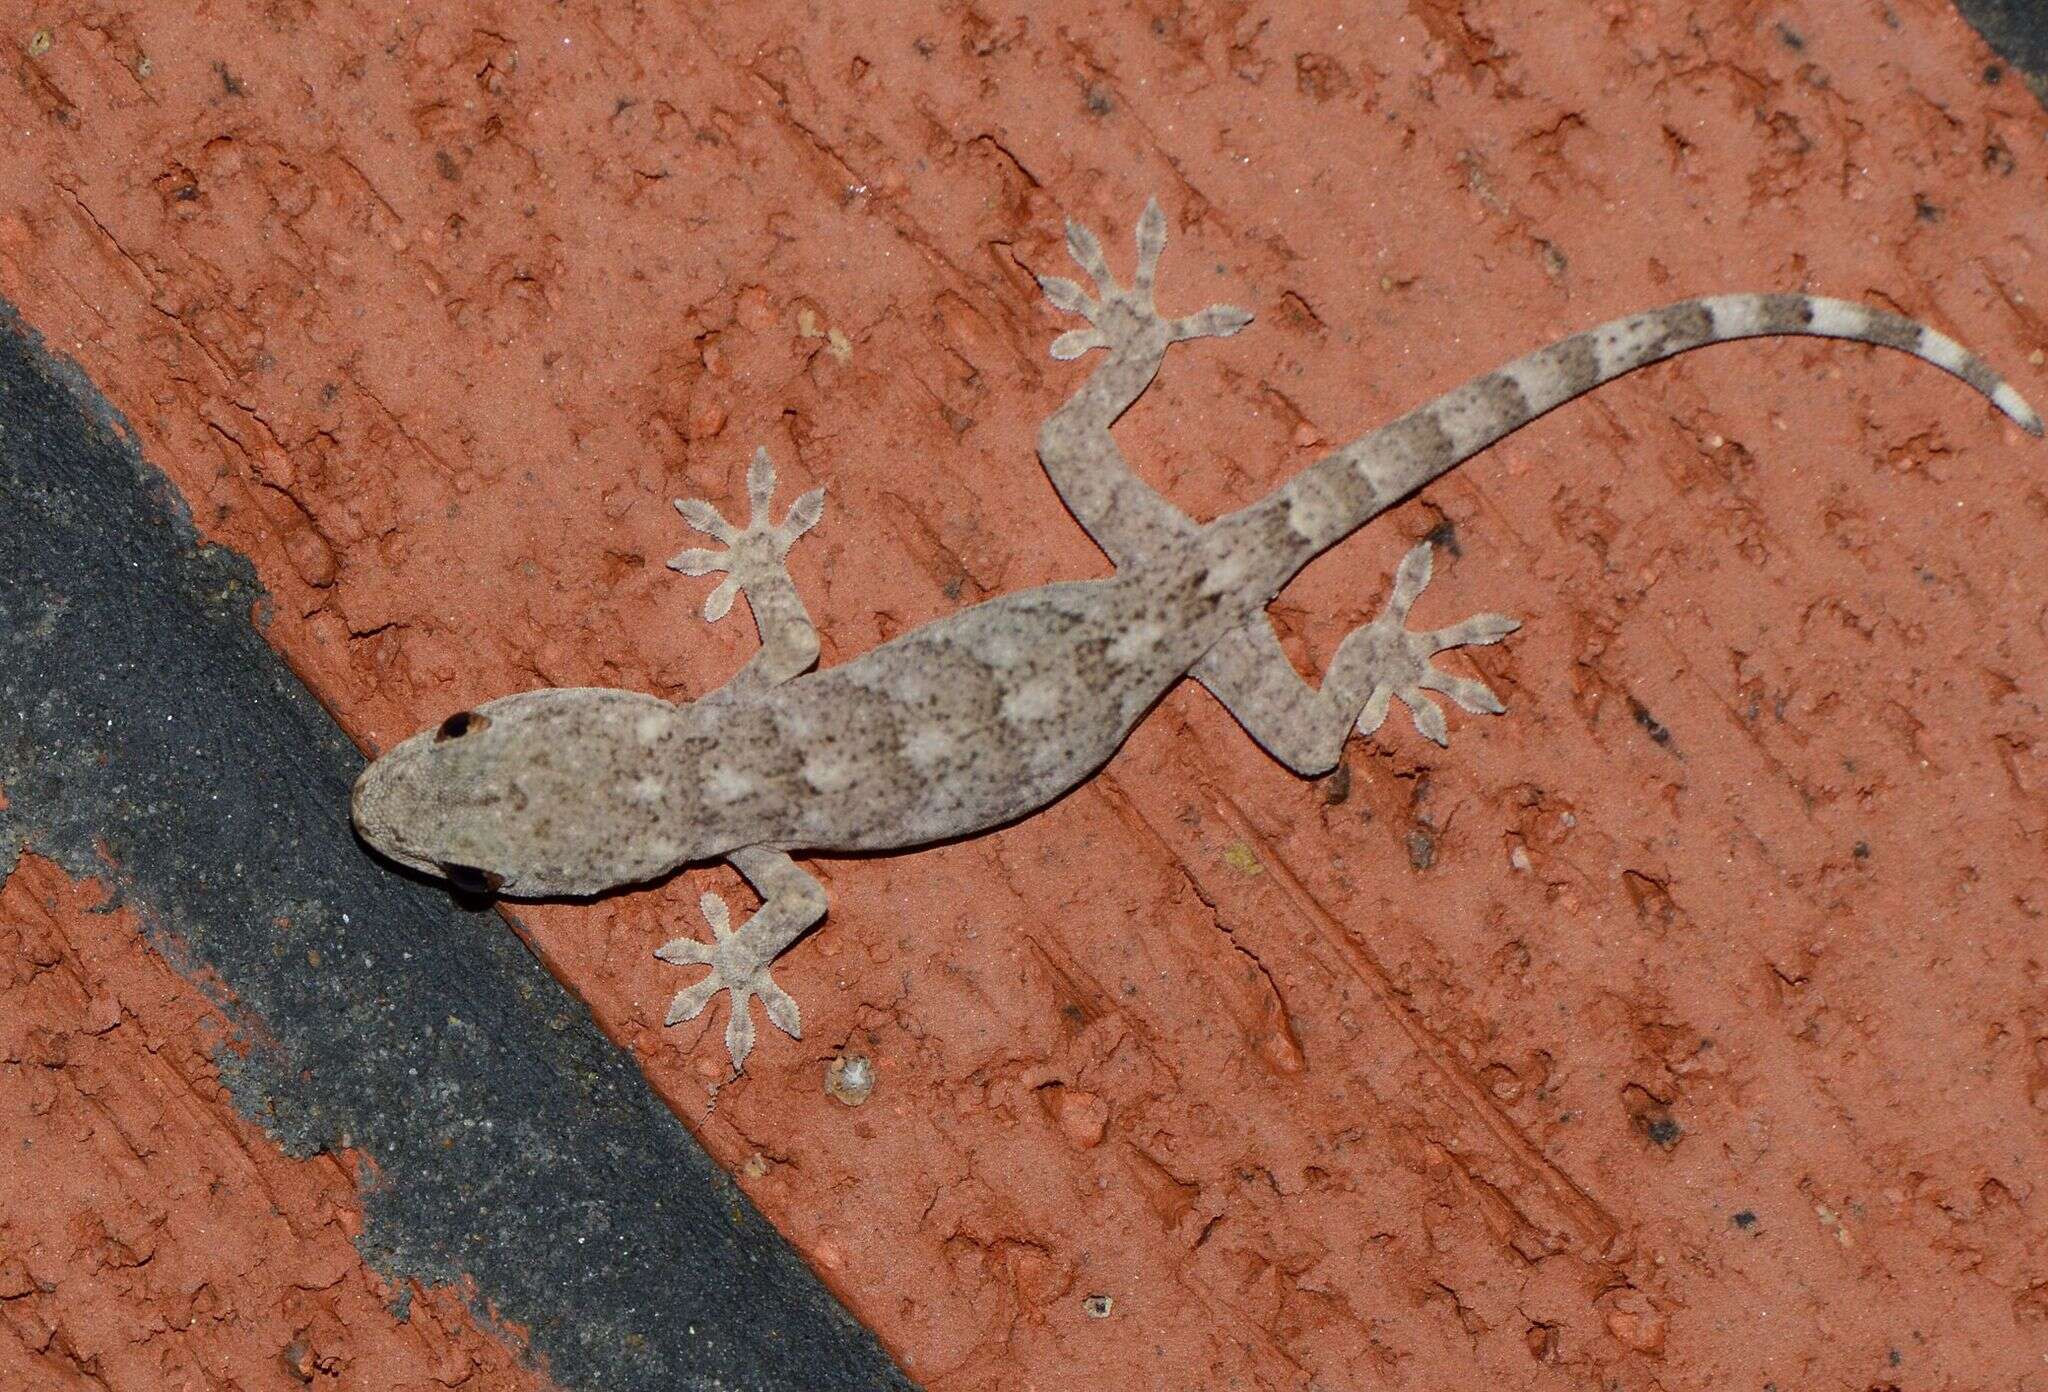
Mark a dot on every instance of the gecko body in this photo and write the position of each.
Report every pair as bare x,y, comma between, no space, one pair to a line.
991,713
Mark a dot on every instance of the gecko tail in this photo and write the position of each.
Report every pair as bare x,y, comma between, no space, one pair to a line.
1555,374
1350,486
1432,439
1755,316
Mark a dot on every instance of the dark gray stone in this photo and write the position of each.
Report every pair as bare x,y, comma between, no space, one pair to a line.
141,713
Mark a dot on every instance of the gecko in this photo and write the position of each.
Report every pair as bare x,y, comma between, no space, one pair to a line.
984,716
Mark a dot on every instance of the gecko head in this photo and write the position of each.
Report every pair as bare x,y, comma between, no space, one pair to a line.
550,793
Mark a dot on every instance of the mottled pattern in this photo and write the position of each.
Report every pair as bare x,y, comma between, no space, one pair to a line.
993,712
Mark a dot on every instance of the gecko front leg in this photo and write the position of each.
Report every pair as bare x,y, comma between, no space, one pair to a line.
754,562
791,901
1125,515
1305,728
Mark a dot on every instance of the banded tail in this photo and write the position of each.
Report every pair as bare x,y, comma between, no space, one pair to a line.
1343,490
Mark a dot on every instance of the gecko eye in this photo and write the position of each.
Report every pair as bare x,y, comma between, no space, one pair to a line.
468,879
459,724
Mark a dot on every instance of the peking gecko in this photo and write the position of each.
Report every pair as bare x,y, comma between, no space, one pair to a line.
991,713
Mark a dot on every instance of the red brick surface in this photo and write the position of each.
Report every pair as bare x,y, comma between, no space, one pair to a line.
1684,1027
152,1239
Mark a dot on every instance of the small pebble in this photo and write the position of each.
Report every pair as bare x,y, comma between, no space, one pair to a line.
849,1079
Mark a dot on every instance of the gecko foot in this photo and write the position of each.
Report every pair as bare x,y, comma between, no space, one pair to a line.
737,965
753,553
1125,320
1396,662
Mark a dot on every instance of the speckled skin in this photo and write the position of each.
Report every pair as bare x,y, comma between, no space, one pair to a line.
991,713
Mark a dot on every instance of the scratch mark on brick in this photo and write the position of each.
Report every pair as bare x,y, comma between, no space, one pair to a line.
1595,1228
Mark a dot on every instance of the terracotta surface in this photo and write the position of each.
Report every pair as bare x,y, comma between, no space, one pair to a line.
1683,1028
149,1236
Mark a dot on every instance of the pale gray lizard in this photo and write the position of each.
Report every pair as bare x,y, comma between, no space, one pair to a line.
991,713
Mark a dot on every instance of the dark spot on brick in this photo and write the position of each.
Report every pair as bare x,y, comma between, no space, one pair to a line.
1421,849
1993,74
1321,77
1651,1115
229,83
1337,787
1444,534
446,167
296,1358
1861,850
1098,101
1745,1220
1791,37
1641,715
1925,210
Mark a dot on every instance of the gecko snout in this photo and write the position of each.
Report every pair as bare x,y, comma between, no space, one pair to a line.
388,802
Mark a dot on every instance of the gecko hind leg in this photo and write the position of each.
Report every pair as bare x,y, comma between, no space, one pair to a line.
754,563
791,901
1387,660
1305,728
